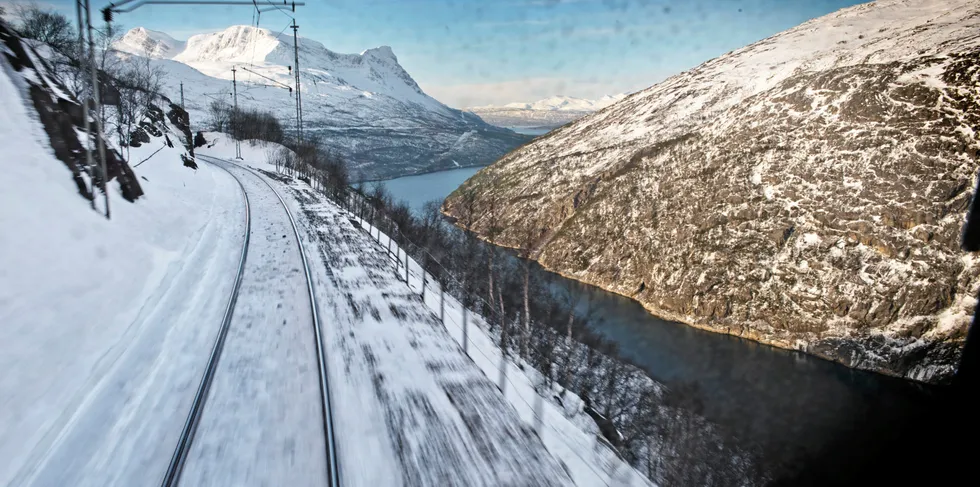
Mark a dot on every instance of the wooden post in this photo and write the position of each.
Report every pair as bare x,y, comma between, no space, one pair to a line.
503,372
466,335
406,270
442,305
538,413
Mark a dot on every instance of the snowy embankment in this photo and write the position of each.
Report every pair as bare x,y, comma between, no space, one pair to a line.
412,400
104,330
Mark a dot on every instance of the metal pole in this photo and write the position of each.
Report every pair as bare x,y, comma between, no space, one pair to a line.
234,122
389,241
299,98
190,133
98,103
84,100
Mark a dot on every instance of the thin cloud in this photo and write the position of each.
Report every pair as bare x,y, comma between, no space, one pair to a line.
508,23
464,95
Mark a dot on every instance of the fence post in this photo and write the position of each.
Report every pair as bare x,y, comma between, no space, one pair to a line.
538,413
406,270
466,335
442,304
424,275
503,372
389,244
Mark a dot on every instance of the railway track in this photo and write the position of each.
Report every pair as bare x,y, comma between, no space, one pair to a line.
180,455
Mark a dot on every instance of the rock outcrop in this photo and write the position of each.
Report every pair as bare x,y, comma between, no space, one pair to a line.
806,191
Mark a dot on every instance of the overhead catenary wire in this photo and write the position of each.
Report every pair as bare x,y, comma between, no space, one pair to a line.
116,7
276,7
255,20
280,84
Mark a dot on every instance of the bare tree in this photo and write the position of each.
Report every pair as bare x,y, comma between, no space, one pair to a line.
527,240
218,113
139,83
467,208
109,65
491,231
45,25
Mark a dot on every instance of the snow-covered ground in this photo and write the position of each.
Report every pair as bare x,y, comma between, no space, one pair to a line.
108,326
105,329
262,423
423,410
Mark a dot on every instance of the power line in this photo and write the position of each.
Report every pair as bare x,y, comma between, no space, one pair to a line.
282,85
115,7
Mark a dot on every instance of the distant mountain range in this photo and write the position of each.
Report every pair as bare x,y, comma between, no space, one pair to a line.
807,190
364,106
546,114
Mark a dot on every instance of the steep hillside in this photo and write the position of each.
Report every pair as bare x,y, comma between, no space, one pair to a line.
805,191
365,106
151,43
549,113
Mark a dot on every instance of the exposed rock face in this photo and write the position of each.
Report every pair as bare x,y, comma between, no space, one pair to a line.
61,116
805,191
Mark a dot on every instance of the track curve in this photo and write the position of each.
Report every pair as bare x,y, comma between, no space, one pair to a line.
331,462
172,476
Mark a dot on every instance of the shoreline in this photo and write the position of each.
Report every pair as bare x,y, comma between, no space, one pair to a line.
423,173
687,320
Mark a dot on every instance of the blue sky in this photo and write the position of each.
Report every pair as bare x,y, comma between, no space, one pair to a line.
476,52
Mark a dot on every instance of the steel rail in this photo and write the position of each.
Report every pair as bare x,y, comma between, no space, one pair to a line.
332,467
176,466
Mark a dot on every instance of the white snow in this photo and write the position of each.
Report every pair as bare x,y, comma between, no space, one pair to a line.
261,424
328,76
567,431
103,319
150,43
387,350
561,103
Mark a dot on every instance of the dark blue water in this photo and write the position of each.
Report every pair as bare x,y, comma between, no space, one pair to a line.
417,190
794,406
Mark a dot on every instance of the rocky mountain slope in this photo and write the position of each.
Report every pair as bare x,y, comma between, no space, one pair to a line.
549,113
805,191
365,106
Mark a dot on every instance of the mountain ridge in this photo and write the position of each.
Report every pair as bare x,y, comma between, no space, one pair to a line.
365,106
549,112
805,190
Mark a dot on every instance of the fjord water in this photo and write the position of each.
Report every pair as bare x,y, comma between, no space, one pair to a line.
796,408
419,189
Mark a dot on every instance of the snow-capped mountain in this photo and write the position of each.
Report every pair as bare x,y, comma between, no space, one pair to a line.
547,113
562,103
146,42
806,190
364,106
